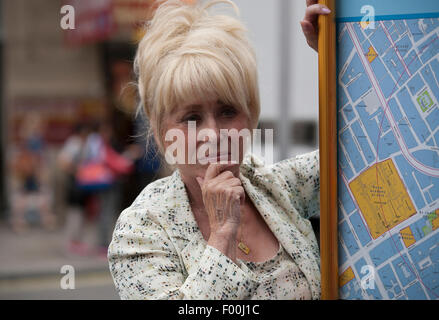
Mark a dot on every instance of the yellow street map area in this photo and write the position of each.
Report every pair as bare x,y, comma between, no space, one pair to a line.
372,54
382,197
345,277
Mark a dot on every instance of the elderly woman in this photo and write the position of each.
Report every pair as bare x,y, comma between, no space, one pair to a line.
221,230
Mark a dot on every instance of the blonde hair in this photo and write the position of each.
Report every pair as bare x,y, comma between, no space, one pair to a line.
187,53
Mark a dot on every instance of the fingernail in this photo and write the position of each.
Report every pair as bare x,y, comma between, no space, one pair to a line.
326,10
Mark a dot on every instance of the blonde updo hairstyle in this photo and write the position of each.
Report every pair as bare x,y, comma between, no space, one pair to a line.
188,53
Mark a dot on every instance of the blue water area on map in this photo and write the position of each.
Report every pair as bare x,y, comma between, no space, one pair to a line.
372,293
436,137
385,250
348,238
363,141
425,257
404,269
354,154
416,84
360,229
389,281
345,196
406,174
404,127
427,157
413,115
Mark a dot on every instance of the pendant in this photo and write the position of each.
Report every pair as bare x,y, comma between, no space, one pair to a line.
243,247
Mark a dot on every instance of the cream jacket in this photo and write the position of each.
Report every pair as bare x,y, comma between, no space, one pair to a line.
158,251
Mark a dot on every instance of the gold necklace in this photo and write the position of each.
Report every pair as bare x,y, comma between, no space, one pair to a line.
241,245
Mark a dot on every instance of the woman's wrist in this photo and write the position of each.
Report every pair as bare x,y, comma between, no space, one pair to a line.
225,242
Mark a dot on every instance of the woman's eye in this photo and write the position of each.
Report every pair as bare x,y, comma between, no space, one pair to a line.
191,117
229,112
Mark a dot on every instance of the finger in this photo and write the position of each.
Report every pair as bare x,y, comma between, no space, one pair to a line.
224,176
215,169
310,33
234,182
313,12
308,29
240,193
228,184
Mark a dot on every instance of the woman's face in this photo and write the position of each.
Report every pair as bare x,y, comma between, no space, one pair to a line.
205,142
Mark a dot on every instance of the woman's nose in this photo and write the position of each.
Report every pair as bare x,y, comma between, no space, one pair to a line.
212,124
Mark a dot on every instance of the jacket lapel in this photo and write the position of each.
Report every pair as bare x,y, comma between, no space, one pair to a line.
298,241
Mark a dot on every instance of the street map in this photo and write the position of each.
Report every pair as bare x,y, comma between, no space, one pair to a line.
388,158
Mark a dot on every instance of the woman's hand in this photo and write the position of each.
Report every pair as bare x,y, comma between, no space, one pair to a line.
309,22
223,195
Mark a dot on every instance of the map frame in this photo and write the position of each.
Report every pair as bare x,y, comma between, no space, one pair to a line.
397,200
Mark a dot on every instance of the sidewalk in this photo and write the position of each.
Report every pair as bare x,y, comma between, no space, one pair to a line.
39,252
30,266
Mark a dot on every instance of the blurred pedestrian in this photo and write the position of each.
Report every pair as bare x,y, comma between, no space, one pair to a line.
69,159
31,195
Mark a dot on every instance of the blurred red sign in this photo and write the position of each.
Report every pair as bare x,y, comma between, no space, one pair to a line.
93,21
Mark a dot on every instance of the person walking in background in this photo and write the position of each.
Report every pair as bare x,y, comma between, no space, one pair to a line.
31,195
69,160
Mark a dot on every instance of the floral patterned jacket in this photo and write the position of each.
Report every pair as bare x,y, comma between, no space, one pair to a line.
158,252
